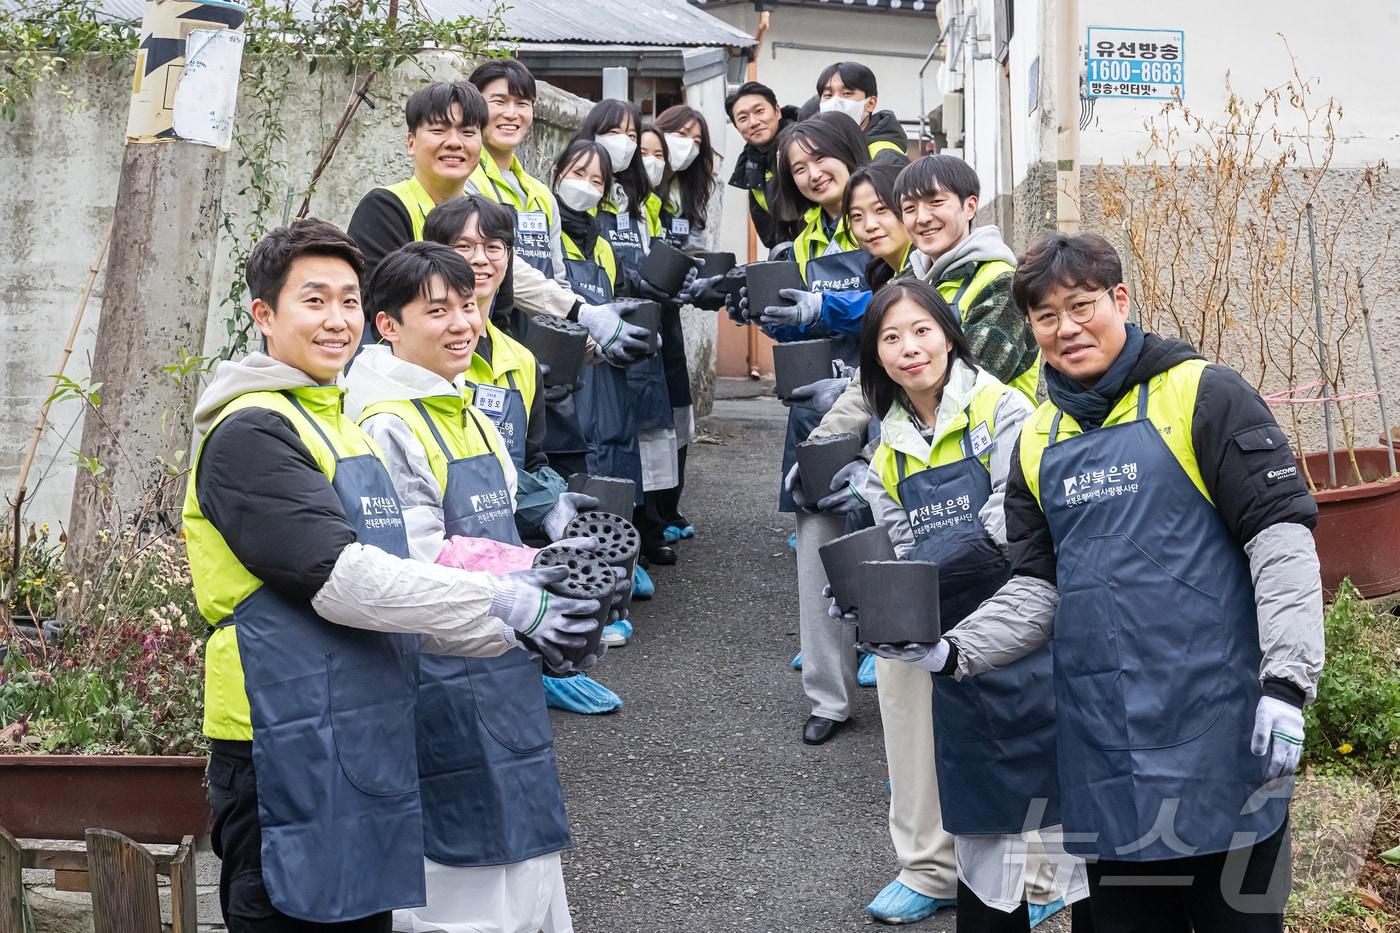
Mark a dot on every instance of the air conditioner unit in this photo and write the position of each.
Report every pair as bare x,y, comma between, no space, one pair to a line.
953,119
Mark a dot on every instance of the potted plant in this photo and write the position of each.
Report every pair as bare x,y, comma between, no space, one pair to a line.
100,724
1216,219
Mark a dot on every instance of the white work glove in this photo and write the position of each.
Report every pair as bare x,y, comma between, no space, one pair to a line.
793,484
845,496
551,622
1278,733
807,308
929,658
820,395
833,610
620,343
564,511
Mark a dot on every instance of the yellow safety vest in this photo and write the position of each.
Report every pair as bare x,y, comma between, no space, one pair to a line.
1171,407
489,182
416,201
449,414
221,582
947,443
962,294
812,242
508,355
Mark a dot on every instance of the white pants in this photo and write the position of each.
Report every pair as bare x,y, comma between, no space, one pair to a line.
523,897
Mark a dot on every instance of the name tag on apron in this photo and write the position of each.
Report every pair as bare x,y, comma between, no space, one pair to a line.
491,401
680,226
532,222
981,439
624,221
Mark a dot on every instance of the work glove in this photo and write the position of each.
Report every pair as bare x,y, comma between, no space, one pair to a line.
587,663
706,293
806,309
556,393
620,343
820,395
1278,733
619,593
743,311
550,622
793,484
833,610
651,293
732,296
564,510
929,658
846,484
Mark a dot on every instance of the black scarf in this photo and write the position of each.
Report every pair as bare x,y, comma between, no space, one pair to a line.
582,228
1089,407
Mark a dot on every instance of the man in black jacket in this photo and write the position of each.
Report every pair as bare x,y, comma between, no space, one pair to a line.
754,111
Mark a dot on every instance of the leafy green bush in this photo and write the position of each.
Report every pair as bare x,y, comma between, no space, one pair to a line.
1355,720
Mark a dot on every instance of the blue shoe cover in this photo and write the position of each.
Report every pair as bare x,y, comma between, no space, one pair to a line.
642,587
797,662
898,903
617,634
1042,912
672,534
865,675
580,694
687,531
792,541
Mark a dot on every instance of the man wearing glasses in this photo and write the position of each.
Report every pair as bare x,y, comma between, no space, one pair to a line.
1160,535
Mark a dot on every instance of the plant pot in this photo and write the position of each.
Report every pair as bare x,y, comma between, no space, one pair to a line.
714,263
1356,522
558,344
150,798
842,557
666,267
619,544
820,458
647,315
899,602
766,279
800,363
589,578
618,496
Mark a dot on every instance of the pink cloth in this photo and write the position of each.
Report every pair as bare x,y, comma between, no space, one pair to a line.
485,555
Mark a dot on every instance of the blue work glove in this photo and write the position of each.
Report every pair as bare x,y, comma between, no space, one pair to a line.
846,485
564,511
833,610
620,343
1278,733
550,622
820,395
793,485
929,658
705,293
805,311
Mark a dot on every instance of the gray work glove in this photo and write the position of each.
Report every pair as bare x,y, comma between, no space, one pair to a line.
793,484
929,658
1278,733
846,485
555,393
564,510
706,293
733,300
807,308
620,343
833,610
551,622
588,662
820,395
619,593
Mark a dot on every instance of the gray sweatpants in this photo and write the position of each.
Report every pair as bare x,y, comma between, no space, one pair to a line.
828,646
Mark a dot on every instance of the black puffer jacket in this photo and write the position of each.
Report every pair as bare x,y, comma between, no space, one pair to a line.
751,174
884,127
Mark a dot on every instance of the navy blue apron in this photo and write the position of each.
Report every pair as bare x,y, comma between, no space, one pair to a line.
505,407
676,231
332,711
626,235
1156,654
646,380
531,231
834,271
994,734
491,793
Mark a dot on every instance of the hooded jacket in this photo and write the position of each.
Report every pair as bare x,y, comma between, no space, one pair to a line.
1259,496
884,128
379,376
259,486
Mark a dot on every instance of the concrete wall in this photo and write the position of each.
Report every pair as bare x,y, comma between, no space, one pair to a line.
61,167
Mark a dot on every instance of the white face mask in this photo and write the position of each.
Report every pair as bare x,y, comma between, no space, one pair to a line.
655,167
620,148
682,150
855,109
578,194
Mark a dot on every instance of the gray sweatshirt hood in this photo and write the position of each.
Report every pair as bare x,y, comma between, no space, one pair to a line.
983,244
256,372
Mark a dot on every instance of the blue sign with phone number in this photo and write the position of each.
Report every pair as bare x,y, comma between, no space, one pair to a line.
1147,64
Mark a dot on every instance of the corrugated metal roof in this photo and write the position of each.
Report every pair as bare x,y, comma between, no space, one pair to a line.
648,22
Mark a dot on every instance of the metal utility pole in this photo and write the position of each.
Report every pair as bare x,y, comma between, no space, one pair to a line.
165,231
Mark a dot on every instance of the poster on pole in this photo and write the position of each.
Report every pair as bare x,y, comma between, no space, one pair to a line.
1142,64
